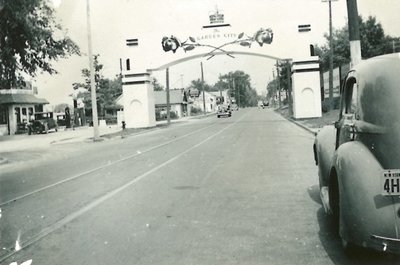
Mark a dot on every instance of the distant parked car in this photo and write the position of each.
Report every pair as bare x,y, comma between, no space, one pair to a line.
358,157
224,111
61,119
42,123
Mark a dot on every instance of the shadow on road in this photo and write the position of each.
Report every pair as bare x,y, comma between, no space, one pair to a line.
331,242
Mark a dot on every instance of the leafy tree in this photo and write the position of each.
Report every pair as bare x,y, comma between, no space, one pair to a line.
240,84
30,39
98,77
272,88
373,40
197,84
221,84
61,107
156,85
107,90
283,76
341,49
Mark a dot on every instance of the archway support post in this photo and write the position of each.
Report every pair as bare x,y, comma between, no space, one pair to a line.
138,97
306,88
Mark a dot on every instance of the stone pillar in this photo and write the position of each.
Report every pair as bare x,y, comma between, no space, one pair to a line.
138,97
306,88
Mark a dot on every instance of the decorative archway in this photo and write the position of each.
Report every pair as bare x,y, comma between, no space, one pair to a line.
202,55
215,39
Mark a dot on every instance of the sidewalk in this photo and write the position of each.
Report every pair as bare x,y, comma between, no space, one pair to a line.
17,146
312,125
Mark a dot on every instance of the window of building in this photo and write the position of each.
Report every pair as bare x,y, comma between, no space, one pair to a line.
24,116
31,116
18,115
3,115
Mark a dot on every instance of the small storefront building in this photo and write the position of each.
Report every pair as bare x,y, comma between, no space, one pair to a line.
17,108
178,103
210,102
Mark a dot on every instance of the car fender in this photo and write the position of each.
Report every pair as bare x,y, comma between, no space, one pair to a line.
324,150
363,210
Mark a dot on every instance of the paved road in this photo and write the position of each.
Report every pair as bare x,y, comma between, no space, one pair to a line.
240,190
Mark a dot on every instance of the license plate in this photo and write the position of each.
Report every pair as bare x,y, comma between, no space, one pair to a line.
390,182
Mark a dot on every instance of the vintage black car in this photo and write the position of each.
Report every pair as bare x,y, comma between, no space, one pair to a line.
359,157
42,123
224,111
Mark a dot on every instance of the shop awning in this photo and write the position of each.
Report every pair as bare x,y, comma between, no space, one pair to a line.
7,99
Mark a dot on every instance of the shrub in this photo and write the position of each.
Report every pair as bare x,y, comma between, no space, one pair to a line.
195,111
325,104
162,115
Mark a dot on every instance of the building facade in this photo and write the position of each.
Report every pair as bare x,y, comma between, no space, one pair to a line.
177,100
210,102
17,108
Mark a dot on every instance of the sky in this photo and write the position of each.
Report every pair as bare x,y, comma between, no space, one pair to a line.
112,22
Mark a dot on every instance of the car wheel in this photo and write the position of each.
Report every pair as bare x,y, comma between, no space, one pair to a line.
334,202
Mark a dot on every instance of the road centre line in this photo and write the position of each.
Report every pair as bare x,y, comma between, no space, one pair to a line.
101,167
48,230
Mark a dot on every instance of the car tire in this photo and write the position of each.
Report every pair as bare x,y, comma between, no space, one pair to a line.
334,201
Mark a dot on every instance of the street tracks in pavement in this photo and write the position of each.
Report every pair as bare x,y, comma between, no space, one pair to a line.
99,200
74,177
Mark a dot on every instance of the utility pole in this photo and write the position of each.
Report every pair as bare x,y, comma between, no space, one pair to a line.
202,84
181,81
167,92
220,87
331,103
278,84
289,89
96,135
276,90
354,32
236,90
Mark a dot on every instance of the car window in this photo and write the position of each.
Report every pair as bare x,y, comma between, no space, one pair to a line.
349,104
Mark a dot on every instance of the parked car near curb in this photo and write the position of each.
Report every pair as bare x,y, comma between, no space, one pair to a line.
358,157
42,123
224,110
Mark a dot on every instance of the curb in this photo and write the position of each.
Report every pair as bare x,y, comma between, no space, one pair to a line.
297,123
302,126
